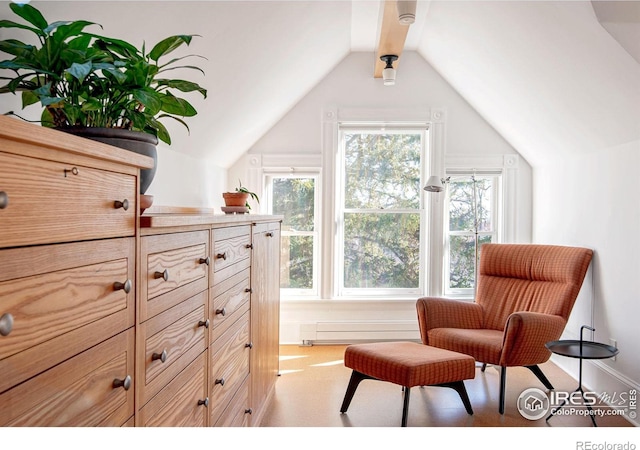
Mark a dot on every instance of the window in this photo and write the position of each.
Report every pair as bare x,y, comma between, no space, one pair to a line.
469,220
295,196
379,212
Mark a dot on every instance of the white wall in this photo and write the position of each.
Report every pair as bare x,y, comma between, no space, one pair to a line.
351,89
593,201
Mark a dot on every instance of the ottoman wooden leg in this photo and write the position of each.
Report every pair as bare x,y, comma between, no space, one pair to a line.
356,378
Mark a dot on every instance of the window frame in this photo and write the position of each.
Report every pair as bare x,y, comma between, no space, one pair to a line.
497,219
268,176
340,291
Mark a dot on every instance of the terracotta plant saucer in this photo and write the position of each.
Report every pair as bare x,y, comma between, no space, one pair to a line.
234,209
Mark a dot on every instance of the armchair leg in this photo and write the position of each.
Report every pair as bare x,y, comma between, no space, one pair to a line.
541,376
503,385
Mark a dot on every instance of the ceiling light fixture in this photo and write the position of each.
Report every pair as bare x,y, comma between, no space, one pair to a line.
389,73
406,11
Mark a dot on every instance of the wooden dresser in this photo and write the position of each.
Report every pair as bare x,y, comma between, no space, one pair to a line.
211,282
68,237
112,319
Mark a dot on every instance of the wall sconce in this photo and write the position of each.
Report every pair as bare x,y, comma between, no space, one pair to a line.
389,73
406,11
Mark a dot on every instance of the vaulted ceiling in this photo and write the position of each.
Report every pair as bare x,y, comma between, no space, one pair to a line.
559,76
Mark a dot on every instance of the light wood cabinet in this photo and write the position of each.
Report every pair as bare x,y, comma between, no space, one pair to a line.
265,315
243,305
68,215
173,327
108,318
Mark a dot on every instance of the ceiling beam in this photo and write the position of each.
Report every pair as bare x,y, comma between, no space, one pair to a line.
393,35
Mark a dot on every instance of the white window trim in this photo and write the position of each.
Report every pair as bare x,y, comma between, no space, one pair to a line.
292,172
508,165
497,220
435,118
343,292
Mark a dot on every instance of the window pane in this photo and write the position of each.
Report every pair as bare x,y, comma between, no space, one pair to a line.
296,267
294,199
382,250
485,191
382,170
461,254
461,212
461,216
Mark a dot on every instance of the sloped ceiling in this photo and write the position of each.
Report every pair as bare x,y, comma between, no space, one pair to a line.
546,75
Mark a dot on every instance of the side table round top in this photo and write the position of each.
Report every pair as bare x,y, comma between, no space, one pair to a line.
582,349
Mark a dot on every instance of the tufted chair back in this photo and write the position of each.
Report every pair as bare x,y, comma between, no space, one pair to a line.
536,278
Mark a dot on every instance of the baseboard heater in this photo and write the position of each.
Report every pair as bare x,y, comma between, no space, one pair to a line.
352,332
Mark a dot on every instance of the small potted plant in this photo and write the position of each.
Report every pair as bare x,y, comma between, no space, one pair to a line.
86,82
238,200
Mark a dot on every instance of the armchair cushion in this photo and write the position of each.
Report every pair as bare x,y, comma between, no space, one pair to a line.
484,345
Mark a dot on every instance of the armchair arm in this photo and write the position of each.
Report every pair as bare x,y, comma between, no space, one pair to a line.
525,335
434,312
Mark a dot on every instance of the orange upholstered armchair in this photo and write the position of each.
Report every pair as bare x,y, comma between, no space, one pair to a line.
524,296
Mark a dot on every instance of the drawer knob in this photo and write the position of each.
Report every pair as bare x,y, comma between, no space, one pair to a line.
248,411
126,383
164,275
248,290
204,323
222,256
161,356
206,261
220,381
269,234
126,286
124,204
248,246
204,402
222,311
4,199
249,345
6,324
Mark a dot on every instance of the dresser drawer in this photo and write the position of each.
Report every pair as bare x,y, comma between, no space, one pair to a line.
169,342
94,388
174,267
231,301
229,365
231,251
62,299
238,413
183,402
50,202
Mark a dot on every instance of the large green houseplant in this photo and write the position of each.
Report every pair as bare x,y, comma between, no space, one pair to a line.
86,82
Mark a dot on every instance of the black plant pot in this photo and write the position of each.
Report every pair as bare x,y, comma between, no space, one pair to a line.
135,141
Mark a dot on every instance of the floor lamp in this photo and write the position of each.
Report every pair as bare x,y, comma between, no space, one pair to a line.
436,184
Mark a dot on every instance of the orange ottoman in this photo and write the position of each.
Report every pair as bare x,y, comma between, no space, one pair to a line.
408,364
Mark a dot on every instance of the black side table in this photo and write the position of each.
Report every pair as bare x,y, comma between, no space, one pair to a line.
582,350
